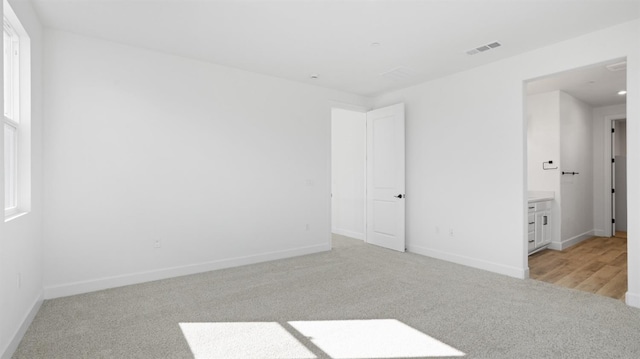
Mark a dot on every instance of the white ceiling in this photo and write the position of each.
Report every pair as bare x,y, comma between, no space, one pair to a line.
595,85
331,38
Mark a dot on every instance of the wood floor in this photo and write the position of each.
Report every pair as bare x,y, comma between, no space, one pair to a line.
597,265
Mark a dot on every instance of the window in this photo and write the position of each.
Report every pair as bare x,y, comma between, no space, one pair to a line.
11,118
17,115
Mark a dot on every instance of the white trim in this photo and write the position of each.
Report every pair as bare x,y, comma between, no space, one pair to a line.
19,334
524,251
63,290
520,273
11,177
14,215
632,299
601,233
608,123
560,246
20,110
13,110
347,106
348,233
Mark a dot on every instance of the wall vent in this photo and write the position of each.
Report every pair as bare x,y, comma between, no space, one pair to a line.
484,48
618,66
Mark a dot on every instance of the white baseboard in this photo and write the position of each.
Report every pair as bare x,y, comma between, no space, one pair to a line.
556,246
515,272
64,290
348,233
632,299
19,334
559,246
601,233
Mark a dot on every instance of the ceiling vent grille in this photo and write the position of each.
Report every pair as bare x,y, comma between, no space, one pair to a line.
484,48
399,73
618,66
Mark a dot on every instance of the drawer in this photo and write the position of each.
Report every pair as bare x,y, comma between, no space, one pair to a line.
531,241
541,206
532,222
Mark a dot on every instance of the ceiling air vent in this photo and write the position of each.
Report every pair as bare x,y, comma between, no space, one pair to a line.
618,66
399,73
484,48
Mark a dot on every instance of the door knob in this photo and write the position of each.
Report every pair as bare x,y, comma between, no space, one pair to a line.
399,196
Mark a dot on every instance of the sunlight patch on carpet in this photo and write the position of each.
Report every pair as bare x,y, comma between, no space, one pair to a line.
242,341
377,338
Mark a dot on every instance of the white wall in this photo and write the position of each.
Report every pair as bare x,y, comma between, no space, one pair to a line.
348,146
124,188
21,238
602,117
560,130
543,145
466,153
576,155
543,140
224,167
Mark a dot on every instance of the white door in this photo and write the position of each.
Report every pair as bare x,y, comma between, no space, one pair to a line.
385,177
613,178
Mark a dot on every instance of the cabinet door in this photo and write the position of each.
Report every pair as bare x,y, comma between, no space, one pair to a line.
539,229
546,227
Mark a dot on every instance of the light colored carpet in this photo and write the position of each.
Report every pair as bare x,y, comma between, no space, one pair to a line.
481,314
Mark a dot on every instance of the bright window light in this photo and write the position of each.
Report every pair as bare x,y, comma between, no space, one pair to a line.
243,341
379,338
17,114
11,117
10,167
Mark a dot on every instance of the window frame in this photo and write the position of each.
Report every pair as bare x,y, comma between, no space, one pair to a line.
11,117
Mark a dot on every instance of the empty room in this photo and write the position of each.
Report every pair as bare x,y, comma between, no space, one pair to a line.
320,179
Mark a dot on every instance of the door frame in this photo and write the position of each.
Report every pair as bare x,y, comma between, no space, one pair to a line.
355,108
364,110
607,183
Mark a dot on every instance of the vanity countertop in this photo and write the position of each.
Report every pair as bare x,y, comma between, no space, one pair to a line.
540,199
541,196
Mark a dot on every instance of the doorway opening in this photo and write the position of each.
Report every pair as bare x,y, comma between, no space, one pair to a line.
368,175
571,178
619,178
348,173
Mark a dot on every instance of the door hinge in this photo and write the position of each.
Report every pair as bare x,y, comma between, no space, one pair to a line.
613,220
613,190
613,160
613,130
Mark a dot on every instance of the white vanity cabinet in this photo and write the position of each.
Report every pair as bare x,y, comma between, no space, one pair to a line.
539,225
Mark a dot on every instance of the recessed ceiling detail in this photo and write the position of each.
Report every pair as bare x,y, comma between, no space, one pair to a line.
400,73
484,48
618,66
